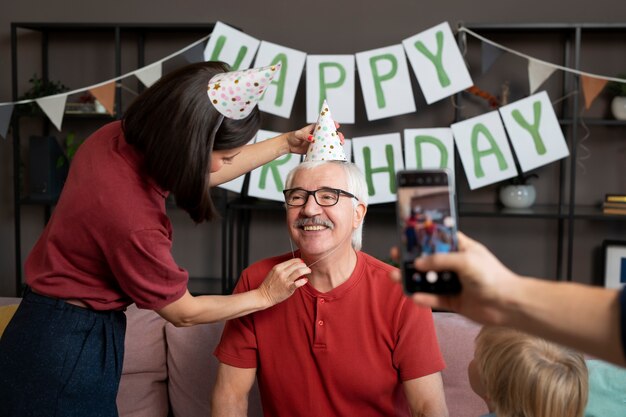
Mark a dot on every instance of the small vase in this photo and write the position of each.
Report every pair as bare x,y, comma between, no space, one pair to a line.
618,107
518,196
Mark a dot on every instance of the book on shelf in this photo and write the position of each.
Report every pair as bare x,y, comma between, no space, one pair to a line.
614,205
615,198
609,210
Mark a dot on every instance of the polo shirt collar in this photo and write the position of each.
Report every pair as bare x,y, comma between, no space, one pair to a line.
344,288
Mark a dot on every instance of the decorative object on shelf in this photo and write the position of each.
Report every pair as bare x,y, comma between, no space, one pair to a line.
614,263
86,104
40,88
618,104
618,107
518,193
614,204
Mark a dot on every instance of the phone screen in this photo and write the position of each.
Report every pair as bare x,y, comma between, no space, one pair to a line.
427,225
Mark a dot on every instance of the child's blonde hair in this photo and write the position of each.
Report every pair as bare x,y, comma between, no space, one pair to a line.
526,376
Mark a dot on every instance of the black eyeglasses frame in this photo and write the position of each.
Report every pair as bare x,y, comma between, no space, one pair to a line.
338,191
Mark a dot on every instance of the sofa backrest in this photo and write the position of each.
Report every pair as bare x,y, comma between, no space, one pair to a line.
168,365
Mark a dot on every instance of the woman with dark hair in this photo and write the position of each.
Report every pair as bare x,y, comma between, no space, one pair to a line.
108,242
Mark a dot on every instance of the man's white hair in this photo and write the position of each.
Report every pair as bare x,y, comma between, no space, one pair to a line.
356,185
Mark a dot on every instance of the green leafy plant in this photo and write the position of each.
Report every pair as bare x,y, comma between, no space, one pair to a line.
617,88
40,88
71,146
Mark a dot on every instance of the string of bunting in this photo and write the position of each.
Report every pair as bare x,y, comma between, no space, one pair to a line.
54,105
499,145
538,71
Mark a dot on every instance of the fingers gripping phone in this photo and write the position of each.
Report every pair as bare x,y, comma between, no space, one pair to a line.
426,224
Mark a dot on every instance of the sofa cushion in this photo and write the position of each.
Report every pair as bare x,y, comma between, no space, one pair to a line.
192,369
143,388
456,336
607,389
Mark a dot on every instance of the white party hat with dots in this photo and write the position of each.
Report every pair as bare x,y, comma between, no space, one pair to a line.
235,93
326,143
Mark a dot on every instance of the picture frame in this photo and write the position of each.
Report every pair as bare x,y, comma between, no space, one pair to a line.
614,254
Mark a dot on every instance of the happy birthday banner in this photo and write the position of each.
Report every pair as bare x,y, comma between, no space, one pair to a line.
441,72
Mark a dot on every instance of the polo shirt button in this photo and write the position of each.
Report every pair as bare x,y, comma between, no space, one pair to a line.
321,322
322,301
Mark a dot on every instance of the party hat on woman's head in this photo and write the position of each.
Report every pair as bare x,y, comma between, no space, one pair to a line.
235,93
326,143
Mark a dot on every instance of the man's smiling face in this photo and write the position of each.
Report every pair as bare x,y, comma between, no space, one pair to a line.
317,230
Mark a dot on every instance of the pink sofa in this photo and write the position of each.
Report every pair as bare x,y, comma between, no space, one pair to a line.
170,371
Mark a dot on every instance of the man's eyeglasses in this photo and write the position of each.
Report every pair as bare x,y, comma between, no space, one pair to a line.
325,197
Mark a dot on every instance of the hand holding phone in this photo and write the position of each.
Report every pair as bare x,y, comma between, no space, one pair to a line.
426,225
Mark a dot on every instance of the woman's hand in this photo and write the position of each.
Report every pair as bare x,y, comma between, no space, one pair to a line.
283,280
299,140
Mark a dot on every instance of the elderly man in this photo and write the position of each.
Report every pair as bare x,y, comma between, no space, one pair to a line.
347,343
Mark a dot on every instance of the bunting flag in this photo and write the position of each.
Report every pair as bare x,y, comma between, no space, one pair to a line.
195,53
105,94
538,73
150,74
53,107
489,55
232,46
591,88
5,119
434,56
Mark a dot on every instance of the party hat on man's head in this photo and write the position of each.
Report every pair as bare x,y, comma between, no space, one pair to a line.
235,93
326,143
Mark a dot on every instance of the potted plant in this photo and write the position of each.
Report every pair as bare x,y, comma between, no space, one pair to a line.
618,90
40,88
519,192
71,146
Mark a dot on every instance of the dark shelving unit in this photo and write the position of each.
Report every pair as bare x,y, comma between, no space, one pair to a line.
564,211
47,31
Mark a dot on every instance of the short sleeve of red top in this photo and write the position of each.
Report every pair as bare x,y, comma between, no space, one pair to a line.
343,352
109,240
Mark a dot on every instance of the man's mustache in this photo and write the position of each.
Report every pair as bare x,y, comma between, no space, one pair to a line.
313,221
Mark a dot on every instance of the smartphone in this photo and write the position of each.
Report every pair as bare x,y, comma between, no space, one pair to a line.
427,224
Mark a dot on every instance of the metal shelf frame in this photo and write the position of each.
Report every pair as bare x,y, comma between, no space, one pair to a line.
47,31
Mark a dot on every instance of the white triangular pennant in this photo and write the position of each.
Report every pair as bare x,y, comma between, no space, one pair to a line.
538,73
54,108
150,74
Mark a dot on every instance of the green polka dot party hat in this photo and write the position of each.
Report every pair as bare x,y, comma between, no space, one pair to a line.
326,144
235,93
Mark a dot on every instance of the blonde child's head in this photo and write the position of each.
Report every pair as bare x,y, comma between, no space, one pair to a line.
519,375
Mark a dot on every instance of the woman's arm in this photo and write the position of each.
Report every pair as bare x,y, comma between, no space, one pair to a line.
257,154
280,283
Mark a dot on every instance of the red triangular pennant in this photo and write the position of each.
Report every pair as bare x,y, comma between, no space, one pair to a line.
105,94
591,88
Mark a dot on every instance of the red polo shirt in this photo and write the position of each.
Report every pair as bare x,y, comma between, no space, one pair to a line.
340,353
108,242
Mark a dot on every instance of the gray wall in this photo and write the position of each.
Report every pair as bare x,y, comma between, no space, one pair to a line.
321,27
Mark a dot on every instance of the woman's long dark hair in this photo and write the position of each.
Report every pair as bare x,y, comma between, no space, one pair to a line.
172,125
